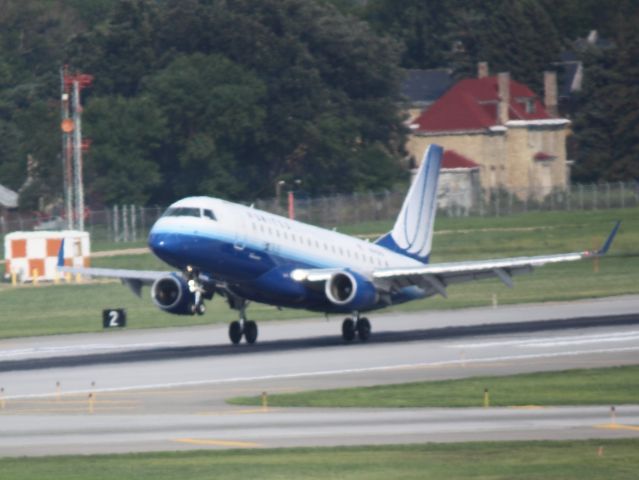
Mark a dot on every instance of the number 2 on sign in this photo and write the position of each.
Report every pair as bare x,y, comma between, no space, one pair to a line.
113,318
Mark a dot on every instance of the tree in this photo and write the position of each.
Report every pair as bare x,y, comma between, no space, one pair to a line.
420,26
516,36
214,111
120,51
32,40
520,38
247,86
127,135
606,126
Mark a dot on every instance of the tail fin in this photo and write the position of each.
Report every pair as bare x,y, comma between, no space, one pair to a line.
413,231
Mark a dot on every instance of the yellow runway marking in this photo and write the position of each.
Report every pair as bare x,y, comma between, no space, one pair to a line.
617,426
235,412
217,443
526,407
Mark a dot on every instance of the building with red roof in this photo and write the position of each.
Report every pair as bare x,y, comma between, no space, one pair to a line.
516,140
459,187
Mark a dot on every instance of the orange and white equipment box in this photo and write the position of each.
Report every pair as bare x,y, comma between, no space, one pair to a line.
36,253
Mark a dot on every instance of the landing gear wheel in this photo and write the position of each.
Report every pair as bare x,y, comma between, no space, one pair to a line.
200,309
250,331
348,329
363,329
235,332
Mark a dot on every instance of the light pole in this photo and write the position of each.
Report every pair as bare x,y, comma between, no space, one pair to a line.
291,199
278,192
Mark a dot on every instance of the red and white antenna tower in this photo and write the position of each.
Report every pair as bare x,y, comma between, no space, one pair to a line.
72,145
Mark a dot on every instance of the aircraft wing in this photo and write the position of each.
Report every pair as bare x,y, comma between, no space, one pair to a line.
146,277
134,279
436,277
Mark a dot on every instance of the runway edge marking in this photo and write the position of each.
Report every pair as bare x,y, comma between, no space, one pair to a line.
617,426
218,443
285,376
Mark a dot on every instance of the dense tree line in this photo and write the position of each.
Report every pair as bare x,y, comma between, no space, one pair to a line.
225,97
526,37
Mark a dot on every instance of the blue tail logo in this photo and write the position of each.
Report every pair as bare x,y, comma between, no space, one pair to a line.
413,231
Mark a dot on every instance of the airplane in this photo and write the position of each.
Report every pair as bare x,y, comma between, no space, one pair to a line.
247,255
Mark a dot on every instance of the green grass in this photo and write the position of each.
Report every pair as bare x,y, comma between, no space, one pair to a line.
599,386
48,310
70,308
582,460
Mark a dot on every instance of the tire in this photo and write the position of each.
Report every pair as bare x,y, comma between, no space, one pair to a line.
250,331
363,329
235,332
348,330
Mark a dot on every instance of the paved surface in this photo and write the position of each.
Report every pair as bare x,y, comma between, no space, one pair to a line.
165,389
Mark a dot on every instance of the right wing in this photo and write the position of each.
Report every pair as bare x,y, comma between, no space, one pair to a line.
134,279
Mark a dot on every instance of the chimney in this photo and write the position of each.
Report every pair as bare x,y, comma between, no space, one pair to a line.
503,90
482,70
550,93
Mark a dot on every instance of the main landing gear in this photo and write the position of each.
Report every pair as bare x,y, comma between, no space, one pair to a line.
360,327
242,327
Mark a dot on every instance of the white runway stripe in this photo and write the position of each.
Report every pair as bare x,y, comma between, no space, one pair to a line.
555,341
83,349
221,381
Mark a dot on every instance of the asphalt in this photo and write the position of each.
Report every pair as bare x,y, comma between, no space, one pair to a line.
141,390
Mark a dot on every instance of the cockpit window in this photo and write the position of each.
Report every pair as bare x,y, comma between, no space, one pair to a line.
209,214
182,212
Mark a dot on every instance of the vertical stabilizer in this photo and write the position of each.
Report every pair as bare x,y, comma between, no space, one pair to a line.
413,231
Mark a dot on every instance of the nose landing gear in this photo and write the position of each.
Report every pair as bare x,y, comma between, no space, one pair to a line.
198,290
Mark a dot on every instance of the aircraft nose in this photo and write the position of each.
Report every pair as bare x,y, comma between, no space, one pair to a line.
165,245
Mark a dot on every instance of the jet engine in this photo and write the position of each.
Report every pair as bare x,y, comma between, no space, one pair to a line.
351,291
171,294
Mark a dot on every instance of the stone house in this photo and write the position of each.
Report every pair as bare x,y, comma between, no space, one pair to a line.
459,187
518,142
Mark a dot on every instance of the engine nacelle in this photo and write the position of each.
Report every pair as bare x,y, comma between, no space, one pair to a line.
351,291
172,294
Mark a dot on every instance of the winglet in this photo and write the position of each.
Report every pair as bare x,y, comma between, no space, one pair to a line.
606,246
61,254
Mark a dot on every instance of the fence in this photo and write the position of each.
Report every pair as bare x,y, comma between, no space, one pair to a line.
131,223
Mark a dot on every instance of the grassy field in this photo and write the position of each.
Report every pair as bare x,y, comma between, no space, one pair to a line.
77,308
579,460
598,386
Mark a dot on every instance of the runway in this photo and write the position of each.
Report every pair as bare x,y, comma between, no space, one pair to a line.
141,390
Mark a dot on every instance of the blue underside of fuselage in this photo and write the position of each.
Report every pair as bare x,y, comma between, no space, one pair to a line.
257,274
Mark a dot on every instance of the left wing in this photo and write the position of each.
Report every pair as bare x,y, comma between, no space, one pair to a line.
436,277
